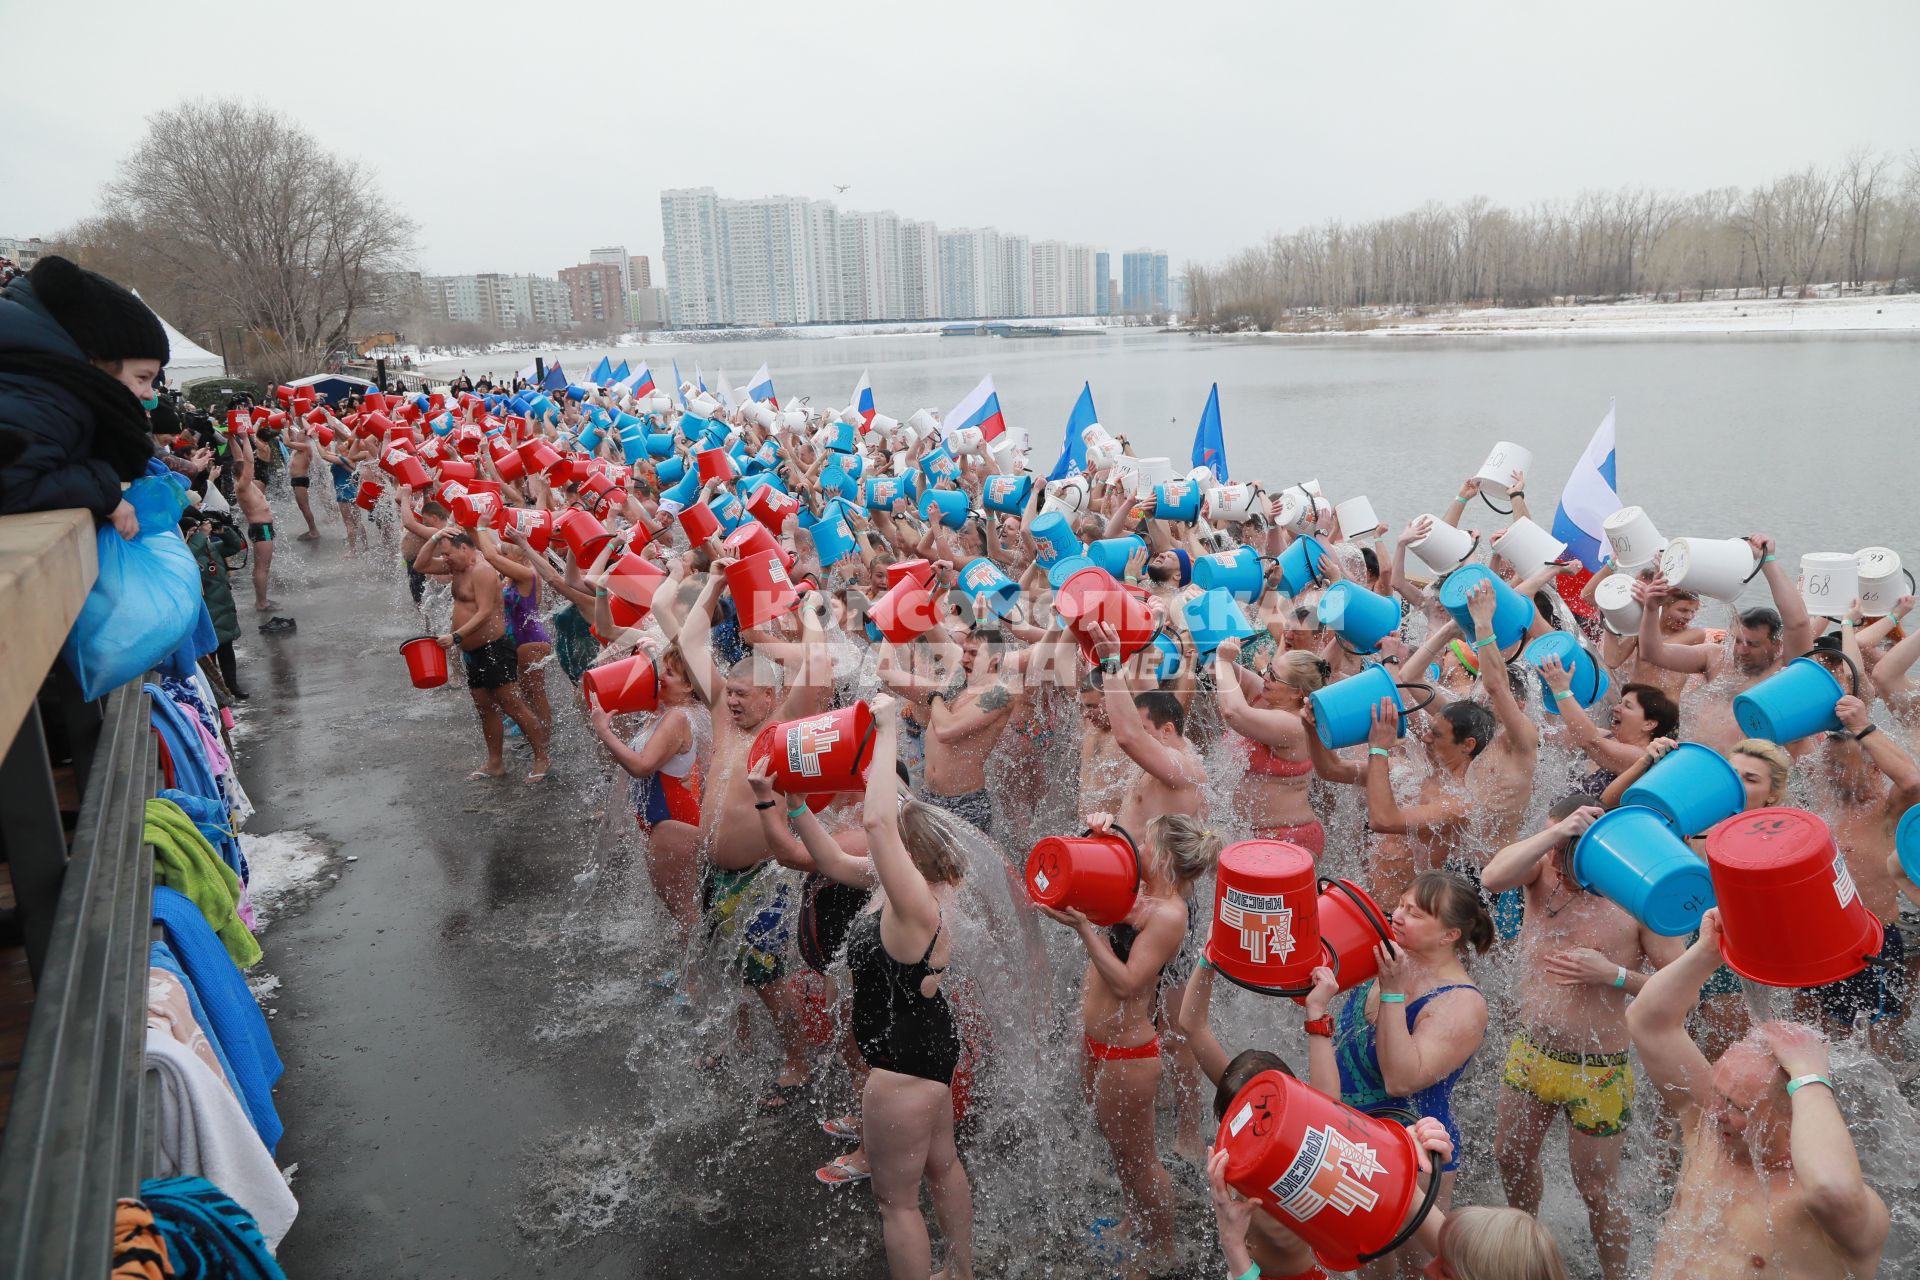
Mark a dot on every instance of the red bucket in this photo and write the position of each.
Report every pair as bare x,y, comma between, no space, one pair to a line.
760,588
506,459
324,434
374,402
316,417
1351,926
436,401
538,457
1094,596
1266,918
583,534
468,441
820,754
1099,875
535,523
471,508
369,494
906,611
399,462
771,507
426,662
1789,913
1345,1182
699,522
458,469
919,570
715,465
634,578
751,540
631,684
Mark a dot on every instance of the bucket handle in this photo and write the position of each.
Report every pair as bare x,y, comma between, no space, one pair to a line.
1333,962
1432,693
1759,563
1853,668
1472,550
1489,501
1133,847
1403,1115
1359,905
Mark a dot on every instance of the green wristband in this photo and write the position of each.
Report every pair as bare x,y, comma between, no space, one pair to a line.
1795,1085
796,811
1768,559
1561,695
1481,644
1379,751
1393,997
1251,1273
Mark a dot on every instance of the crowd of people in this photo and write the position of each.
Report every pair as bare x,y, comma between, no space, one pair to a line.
700,572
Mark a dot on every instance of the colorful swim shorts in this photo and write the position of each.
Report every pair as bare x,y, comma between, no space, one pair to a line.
1595,1089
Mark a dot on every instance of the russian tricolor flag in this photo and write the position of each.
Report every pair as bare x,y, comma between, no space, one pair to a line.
641,383
863,401
761,388
980,409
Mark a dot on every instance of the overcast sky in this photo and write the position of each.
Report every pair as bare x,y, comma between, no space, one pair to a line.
1194,128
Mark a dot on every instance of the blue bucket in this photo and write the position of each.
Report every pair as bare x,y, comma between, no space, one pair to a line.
520,405
833,540
660,445
1237,571
669,470
882,491
1634,858
728,510
633,445
540,405
1065,567
854,465
1692,787
940,464
1793,702
624,422
1007,494
1906,842
1512,612
1054,538
1590,680
691,427
840,437
1176,500
982,579
1300,564
837,482
1112,554
1358,616
686,489
1170,657
577,393
1213,616
589,437
950,503
1343,710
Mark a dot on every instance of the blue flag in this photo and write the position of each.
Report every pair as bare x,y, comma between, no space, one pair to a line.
556,380
620,373
1209,445
602,373
1073,450
679,384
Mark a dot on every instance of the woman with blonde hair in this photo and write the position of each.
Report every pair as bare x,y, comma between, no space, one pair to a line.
1478,1242
1130,966
1264,709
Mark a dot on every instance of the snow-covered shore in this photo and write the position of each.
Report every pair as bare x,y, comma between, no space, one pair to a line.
1899,312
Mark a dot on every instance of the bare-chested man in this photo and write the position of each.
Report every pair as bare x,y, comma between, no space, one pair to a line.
1584,957
1770,1182
1621,654
966,721
1151,729
251,495
480,632
1866,781
300,445
740,896
1760,641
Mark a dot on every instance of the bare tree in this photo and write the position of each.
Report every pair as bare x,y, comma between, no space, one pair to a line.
1860,174
240,214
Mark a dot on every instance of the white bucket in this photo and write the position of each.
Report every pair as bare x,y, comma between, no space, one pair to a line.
850,416
1507,457
1069,496
1829,580
1635,542
1232,502
1093,433
1445,548
1300,508
794,419
703,406
742,396
1126,474
883,426
966,440
1717,567
1882,580
763,417
1202,478
923,424
1008,453
1154,472
1614,599
1357,518
1527,547
1103,456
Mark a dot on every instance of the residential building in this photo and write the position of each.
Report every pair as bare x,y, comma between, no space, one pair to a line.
1049,271
1015,297
969,273
649,308
598,292
639,272
1143,282
615,256
919,270
497,301
694,248
22,252
1102,283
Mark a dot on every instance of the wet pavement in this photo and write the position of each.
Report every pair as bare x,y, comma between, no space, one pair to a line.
481,1081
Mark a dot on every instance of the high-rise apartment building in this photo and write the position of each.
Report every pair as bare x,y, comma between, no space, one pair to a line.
639,272
598,291
694,248
498,301
1015,297
1143,282
919,270
1102,282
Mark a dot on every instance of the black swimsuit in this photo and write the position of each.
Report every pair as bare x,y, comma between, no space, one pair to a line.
896,1027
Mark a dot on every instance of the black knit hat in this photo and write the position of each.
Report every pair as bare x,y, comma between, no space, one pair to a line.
104,319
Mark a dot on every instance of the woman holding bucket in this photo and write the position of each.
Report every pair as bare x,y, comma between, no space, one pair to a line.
1405,1038
1129,965
1264,710
1642,714
520,590
897,952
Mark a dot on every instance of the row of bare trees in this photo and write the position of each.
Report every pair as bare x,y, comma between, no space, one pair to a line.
1856,224
232,220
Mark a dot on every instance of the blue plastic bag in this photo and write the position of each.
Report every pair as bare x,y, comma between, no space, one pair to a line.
145,602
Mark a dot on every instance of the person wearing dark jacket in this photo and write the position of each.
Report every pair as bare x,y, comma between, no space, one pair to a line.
212,538
79,360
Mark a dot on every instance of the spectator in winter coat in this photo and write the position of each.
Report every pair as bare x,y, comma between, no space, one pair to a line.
212,538
80,358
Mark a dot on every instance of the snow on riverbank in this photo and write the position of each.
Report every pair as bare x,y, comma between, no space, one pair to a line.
1899,312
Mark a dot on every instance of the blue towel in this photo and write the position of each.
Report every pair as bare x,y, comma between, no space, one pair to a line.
233,1014
208,1236
191,772
159,956
211,818
200,641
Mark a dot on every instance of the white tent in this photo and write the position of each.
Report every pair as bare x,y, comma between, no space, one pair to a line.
187,360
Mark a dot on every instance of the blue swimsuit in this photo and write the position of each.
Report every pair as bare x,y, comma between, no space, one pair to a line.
1358,1052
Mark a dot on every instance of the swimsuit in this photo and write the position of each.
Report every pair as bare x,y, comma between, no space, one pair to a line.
345,487
523,616
1121,1052
1262,762
669,794
302,482
1879,990
975,807
753,912
493,665
1356,1045
896,1027
260,532
1595,1089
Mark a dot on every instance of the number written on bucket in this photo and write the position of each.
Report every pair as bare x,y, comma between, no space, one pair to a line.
1265,924
1843,882
1329,1171
807,742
